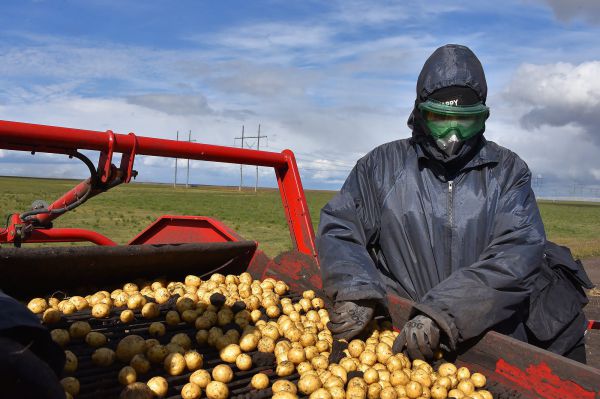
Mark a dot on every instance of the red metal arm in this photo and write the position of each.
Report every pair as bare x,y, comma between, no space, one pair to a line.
41,138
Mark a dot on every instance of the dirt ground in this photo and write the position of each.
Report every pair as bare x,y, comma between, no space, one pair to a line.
592,311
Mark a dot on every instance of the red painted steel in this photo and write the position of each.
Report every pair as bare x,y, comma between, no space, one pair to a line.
69,235
41,138
185,229
66,199
593,325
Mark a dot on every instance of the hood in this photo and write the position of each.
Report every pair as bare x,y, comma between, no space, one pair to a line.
449,65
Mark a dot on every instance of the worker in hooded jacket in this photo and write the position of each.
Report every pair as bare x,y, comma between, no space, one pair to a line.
448,220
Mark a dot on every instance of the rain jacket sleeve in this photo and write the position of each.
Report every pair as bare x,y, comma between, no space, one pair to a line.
476,298
349,223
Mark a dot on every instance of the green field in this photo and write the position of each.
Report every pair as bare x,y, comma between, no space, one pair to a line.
124,211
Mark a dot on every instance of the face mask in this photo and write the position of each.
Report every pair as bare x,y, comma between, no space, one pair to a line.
450,125
449,144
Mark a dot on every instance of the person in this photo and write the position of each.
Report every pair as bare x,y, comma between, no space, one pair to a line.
30,361
448,219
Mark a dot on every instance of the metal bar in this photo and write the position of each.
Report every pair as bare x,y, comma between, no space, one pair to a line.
65,200
175,179
69,235
295,206
31,137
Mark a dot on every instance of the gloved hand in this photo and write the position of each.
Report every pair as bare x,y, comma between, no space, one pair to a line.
421,338
348,319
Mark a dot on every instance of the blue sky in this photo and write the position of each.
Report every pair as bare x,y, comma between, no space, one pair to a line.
328,79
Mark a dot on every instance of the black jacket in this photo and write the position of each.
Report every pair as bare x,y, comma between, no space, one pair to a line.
462,236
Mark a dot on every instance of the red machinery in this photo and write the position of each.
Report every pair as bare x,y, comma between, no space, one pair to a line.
178,245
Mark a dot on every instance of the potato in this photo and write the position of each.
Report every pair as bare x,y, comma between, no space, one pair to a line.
249,342
174,364
320,362
127,316
150,310
478,380
374,391
266,345
230,353
388,393
485,394
157,329
456,394
140,363
95,339
296,355
172,318
101,310
174,348
217,390
284,386
260,381
130,346
158,385
183,340
466,386
193,360
191,391
200,378
356,347
308,384
136,301
368,358
37,305
137,390
162,295
70,385
438,392
284,395
67,307
243,362
371,376
285,368
127,375
71,362
222,373
157,353
103,357
60,336
51,316
463,373
413,389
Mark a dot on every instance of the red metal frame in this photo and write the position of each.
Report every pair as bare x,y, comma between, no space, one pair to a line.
41,138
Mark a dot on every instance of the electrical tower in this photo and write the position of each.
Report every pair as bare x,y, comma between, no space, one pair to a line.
243,138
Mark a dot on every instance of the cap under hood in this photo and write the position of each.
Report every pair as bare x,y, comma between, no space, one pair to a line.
449,65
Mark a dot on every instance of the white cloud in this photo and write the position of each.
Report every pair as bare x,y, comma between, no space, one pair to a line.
559,95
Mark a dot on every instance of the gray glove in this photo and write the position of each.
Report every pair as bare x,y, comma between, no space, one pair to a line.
348,319
420,336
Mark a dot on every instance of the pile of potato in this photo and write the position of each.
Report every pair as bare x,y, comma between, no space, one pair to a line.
239,316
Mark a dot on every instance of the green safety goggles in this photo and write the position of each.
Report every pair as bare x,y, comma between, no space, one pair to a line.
464,120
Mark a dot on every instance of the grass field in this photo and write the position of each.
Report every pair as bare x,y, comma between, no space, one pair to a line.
123,212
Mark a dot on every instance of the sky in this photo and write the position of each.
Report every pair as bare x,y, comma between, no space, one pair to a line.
329,80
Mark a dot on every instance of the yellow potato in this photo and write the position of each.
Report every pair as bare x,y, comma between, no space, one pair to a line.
130,346
259,381
151,310
140,363
243,362
127,375
137,390
222,373
308,384
174,364
191,391
157,329
284,386
51,316
217,390
95,339
193,360
127,316
101,310
61,337
103,357
200,378
37,305
158,385
70,385
71,362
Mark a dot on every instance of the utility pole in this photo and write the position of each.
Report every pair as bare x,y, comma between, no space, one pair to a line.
250,146
187,180
258,149
241,166
176,159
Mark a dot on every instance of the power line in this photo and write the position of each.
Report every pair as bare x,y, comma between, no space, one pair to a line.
244,139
